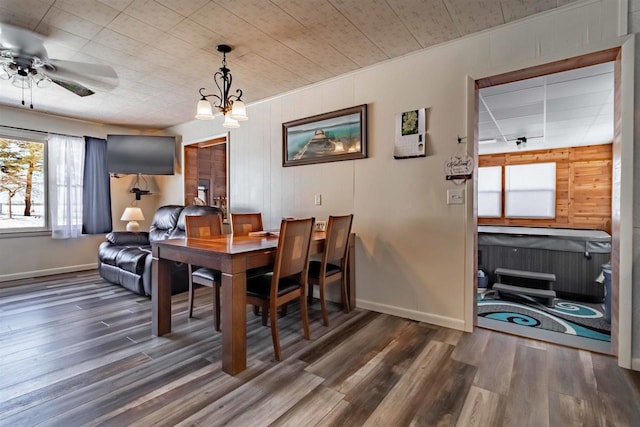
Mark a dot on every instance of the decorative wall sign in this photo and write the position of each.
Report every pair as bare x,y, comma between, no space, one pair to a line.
459,168
411,136
338,135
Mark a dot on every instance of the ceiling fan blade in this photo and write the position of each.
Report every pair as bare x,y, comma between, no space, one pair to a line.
95,75
22,42
74,87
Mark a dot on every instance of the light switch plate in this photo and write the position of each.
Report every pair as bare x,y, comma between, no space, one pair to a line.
455,196
317,199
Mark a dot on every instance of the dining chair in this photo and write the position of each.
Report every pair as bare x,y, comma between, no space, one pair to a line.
244,223
241,225
288,280
202,227
333,266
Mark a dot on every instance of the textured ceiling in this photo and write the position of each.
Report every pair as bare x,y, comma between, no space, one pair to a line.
164,50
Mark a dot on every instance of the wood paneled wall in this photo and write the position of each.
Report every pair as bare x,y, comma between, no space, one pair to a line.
583,186
205,161
190,171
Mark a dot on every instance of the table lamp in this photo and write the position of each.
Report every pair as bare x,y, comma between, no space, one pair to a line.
133,215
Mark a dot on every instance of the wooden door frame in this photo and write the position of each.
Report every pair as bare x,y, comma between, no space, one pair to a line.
215,140
620,151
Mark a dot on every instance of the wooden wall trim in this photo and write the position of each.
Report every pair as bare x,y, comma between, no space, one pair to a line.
600,57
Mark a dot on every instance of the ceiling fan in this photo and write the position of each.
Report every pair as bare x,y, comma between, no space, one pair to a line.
24,62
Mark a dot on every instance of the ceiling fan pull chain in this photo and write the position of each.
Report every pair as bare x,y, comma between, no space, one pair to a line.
31,96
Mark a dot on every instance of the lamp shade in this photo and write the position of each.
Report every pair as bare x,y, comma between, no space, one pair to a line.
239,111
132,214
204,111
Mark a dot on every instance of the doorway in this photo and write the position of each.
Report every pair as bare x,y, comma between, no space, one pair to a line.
532,145
206,167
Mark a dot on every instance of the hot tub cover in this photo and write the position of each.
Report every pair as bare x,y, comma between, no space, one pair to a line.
555,239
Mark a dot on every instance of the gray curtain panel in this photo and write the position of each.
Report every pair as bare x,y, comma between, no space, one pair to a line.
96,200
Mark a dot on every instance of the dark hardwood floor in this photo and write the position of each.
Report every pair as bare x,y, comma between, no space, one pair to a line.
77,351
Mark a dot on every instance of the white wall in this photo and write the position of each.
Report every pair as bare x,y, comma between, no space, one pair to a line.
37,255
412,251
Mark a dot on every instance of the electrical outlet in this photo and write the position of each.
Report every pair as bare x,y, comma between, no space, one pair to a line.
321,225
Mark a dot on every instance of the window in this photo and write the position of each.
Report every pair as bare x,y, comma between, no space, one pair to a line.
490,192
22,184
530,191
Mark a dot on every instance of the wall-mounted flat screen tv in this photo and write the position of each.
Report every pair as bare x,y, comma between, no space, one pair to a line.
143,154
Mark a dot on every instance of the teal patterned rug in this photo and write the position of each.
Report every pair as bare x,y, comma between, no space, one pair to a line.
569,317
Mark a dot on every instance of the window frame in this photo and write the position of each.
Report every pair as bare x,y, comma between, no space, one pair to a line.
503,202
507,191
34,137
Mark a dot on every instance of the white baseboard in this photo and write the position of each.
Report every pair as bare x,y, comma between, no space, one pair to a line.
47,272
434,319
635,363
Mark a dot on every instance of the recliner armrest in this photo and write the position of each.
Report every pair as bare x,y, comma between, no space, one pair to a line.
127,238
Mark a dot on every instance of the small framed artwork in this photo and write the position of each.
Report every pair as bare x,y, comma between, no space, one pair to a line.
329,137
411,135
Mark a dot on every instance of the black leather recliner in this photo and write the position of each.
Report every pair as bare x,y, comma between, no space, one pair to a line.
125,258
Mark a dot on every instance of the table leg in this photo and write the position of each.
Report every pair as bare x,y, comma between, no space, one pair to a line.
160,296
234,322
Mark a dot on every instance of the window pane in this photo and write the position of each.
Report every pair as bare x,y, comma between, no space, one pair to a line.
490,192
22,191
530,191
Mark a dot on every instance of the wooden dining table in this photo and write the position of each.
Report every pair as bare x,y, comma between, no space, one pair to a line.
232,256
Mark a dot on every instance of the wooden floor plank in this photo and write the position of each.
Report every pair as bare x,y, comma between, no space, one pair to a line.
78,351
311,409
400,404
528,404
562,379
496,364
571,411
481,408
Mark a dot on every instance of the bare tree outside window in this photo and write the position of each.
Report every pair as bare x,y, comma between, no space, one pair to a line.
21,184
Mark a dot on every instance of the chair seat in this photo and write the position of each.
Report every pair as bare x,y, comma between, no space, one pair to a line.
207,274
314,269
260,286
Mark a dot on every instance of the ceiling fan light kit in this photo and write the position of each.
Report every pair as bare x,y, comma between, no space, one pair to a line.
25,63
231,106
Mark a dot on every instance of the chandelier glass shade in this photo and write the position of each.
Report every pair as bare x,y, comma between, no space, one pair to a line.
231,106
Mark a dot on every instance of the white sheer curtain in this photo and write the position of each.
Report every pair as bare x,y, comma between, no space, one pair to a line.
65,171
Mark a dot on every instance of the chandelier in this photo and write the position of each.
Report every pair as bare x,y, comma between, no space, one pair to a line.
24,76
231,106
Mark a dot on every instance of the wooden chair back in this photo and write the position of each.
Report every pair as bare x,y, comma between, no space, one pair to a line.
292,255
244,223
203,226
337,240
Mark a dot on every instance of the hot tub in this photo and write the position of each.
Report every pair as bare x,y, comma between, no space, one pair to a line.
574,256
